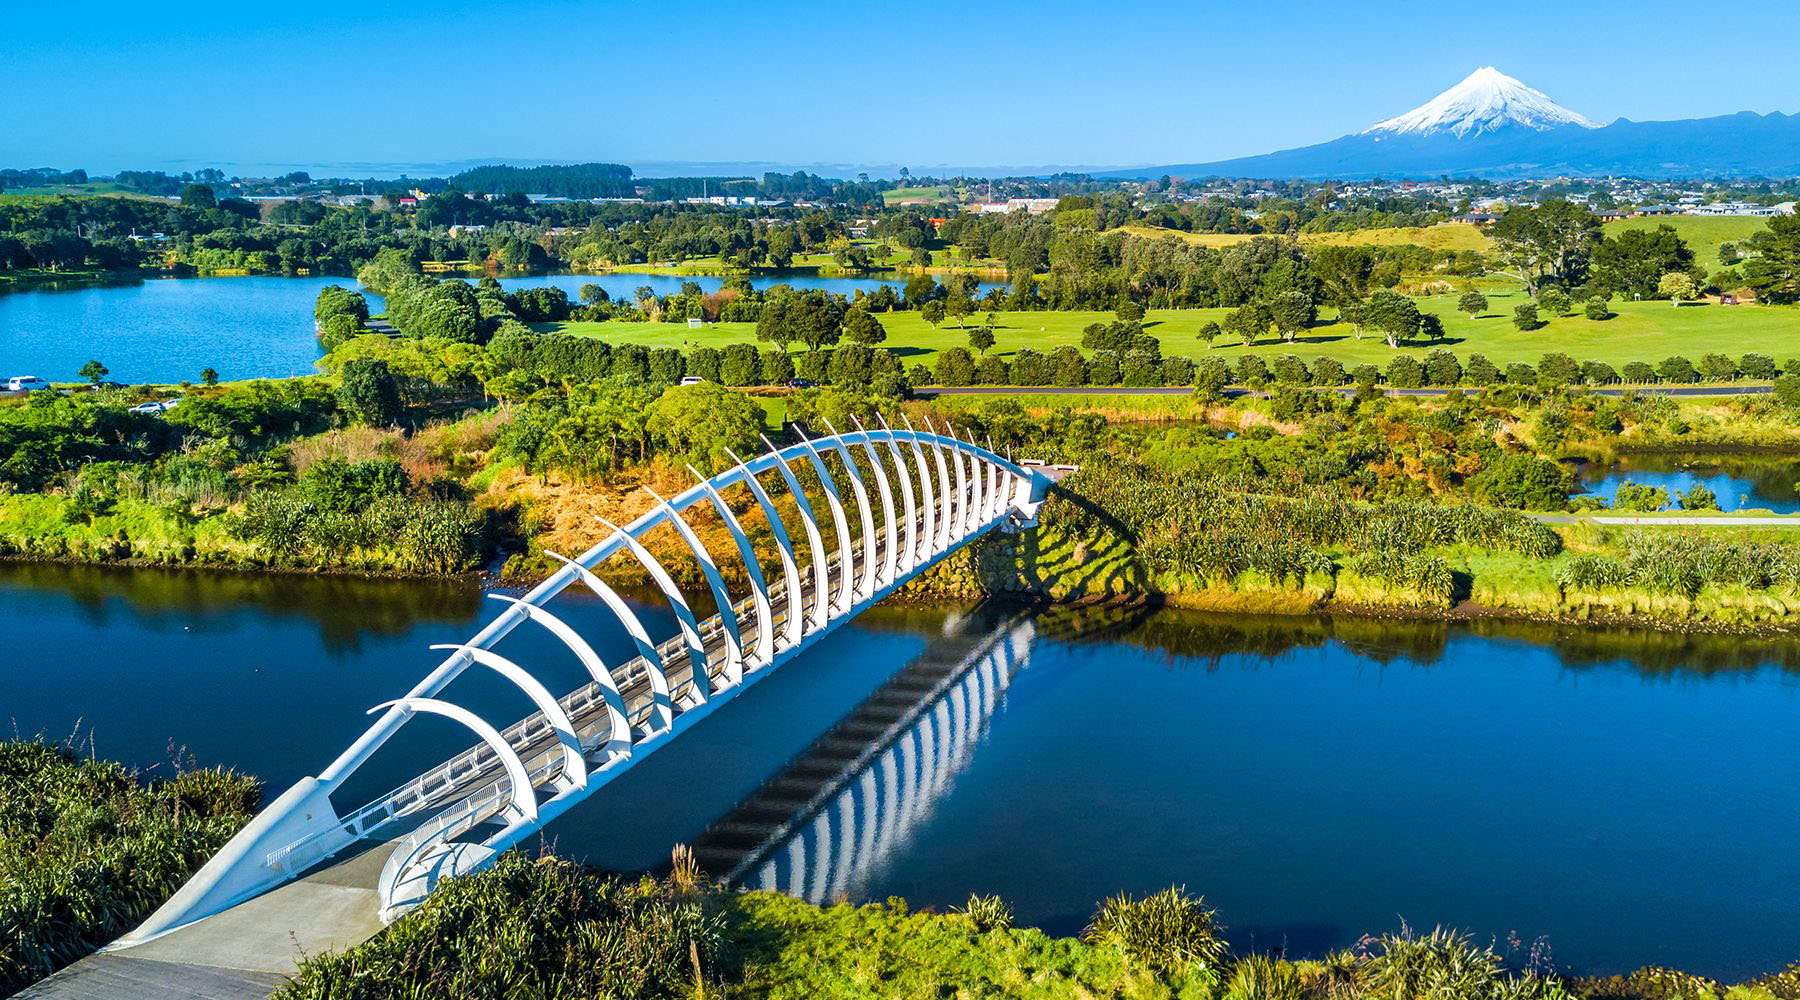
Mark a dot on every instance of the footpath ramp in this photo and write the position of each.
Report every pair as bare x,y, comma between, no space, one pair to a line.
246,951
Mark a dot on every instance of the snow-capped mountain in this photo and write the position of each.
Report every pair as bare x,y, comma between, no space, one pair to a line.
1491,125
1486,101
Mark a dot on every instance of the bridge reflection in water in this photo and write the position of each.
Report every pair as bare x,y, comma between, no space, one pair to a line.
838,809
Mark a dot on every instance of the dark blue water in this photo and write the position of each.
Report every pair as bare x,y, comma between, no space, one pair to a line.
1740,480
1623,793
167,330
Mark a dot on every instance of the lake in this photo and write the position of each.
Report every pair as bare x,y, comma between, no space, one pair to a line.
1740,480
168,329
1622,794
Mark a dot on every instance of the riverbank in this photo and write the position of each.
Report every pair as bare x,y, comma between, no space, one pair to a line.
681,937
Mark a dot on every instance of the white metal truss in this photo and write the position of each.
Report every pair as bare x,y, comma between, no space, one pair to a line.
458,816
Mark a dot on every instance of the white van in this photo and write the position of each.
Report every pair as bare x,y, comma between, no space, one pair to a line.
693,380
25,383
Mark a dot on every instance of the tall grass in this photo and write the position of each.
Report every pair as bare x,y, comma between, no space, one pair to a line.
86,851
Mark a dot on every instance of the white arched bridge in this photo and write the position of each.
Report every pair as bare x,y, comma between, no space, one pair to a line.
916,497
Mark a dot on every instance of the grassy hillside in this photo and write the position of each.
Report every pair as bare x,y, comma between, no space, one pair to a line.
1444,236
1641,331
1701,233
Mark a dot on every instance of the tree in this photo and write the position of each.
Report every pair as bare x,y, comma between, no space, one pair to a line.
1676,286
1473,303
861,327
1211,376
1393,314
1290,312
1431,328
1209,332
1481,371
1067,368
932,312
1344,272
93,371
1442,368
1554,300
1525,316
703,424
1248,321
1405,373
1774,273
1553,240
1596,310
368,393
198,196
1630,263
209,377
981,338
955,367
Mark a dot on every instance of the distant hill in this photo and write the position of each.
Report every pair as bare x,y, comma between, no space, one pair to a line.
1491,125
575,180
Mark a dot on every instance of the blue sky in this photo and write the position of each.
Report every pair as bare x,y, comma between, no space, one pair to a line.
107,85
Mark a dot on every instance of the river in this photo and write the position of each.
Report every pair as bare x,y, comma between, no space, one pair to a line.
1622,794
1739,480
168,329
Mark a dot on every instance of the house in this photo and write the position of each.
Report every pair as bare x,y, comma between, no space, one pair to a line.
1477,218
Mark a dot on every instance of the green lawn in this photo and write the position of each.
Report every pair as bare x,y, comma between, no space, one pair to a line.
1641,331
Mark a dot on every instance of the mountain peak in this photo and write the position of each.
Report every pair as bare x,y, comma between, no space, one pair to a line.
1485,101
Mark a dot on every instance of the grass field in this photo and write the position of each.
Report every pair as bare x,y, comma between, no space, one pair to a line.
1702,233
1641,331
1445,236
908,195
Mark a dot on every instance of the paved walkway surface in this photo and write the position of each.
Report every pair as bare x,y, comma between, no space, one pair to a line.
246,951
1778,521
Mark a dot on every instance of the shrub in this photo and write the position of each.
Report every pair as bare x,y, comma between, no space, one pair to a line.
1328,371
532,928
1168,930
87,851
369,394
1525,317
1030,367
987,913
1596,310
1252,371
776,366
1405,373
1554,300
1519,373
1757,366
1103,368
1699,498
1442,368
1677,369
1066,367
1290,370
1718,367
1481,371
1178,370
1637,372
1523,481
704,362
1558,370
991,370
1640,497
1598,373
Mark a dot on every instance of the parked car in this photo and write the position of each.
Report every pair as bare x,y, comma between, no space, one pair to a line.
802,383
693,380
156,408
25,383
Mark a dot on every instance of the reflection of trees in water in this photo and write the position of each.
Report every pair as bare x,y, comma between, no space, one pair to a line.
1208,638
344,608
1647,650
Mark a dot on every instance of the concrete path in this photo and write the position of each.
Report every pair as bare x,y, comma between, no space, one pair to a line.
1790,521
246,951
